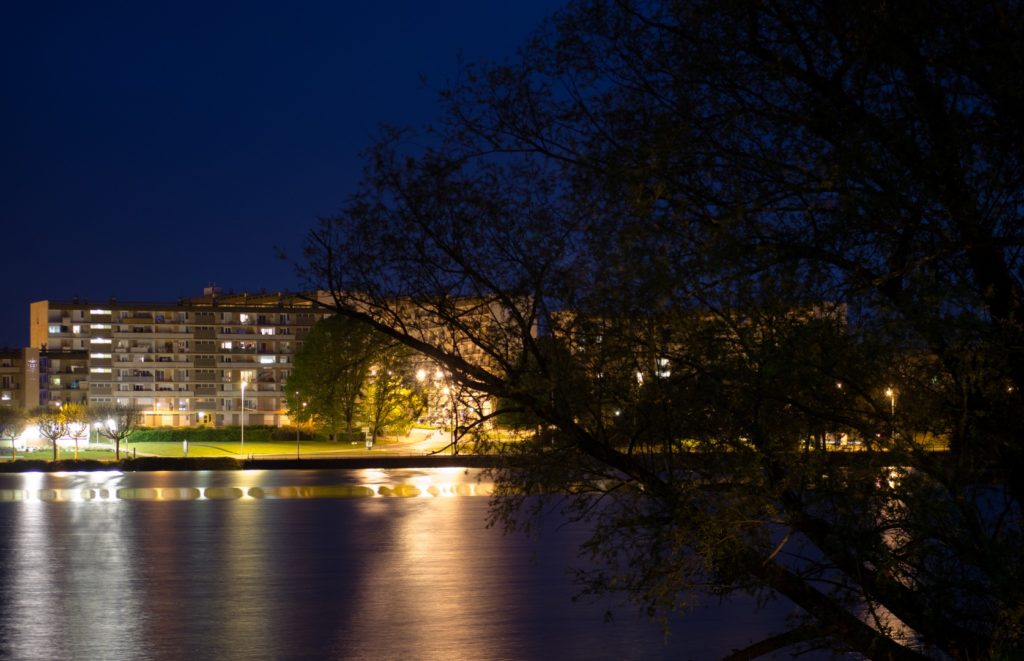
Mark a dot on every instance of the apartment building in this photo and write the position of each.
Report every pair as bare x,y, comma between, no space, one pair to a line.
182,363
19,378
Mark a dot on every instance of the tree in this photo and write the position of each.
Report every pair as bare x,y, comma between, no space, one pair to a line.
12,422
77,417
392,400
117,422
690,238
330,371
52,423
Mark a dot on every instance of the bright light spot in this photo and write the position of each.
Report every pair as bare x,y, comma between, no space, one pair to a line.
421,374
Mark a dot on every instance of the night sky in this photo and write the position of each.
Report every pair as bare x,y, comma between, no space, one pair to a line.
152,148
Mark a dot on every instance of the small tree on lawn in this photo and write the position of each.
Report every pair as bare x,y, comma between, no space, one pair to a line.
12,422
77,417
117,423
52,423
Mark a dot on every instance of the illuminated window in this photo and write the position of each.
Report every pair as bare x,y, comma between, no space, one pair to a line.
100,340
54,328
99,355
266,360
76,329
243,318
266,331
100,370
6,396
225,345
97,311
99,326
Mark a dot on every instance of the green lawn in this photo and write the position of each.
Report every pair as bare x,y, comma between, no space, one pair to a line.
256,449
285,448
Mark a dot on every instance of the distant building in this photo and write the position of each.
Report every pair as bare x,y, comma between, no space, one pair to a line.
181,363
19,378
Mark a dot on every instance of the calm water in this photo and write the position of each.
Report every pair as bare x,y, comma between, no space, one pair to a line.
306,565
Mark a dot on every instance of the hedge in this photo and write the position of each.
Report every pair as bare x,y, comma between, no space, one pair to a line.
214,435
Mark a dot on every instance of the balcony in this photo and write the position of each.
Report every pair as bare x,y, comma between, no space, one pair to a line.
137,378
173,361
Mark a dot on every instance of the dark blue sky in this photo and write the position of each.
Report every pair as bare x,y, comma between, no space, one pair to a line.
148,149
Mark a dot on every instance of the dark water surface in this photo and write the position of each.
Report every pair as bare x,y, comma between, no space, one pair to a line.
307,565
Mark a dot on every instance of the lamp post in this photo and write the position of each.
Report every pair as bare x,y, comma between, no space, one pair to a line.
241,446
891,394
296,417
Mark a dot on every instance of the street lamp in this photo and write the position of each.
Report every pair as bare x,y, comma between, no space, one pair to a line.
242,418
891,394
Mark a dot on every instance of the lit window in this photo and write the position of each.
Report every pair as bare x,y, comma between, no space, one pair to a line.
243,318
97,311
76,329
266,360
266,331
99,326
100,340
54,328
99,355
225,345
100,370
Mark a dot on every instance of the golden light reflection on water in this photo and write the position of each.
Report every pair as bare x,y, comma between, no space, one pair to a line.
371,483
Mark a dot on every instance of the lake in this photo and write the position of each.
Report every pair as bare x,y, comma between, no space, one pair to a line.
296,564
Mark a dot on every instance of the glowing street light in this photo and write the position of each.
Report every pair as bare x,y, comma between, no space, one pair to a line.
891,394
241,445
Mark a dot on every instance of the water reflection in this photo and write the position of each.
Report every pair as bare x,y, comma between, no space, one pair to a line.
305,564
367,483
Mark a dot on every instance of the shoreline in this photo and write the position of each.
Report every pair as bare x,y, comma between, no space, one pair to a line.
140,464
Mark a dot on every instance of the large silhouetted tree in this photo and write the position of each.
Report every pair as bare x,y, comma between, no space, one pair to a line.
689,241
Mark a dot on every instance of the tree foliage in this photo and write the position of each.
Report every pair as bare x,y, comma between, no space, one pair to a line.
392,401
330,371
347,373
692,240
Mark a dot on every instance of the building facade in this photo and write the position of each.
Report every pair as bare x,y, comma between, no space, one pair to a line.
19,378
182,363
